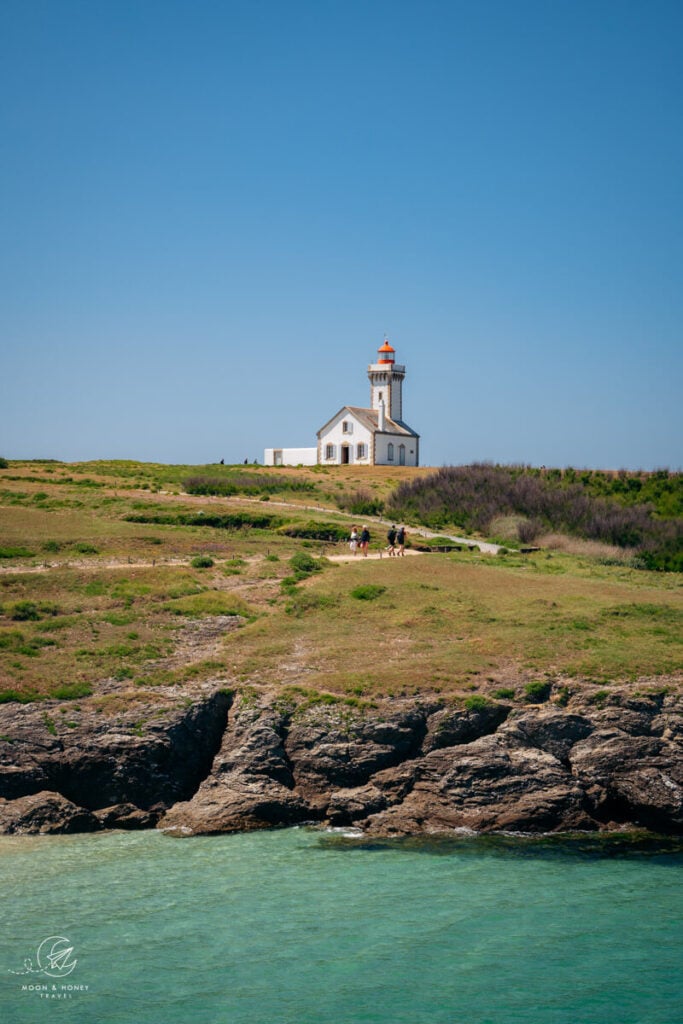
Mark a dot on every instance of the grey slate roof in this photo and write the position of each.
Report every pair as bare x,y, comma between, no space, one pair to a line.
368,418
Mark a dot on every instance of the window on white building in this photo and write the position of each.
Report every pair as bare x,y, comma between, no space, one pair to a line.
390,452
329,451
347,428
361,451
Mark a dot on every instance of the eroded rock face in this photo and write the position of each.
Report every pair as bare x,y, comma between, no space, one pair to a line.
404,767
103,762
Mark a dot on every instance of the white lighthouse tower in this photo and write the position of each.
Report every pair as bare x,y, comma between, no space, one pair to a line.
386,384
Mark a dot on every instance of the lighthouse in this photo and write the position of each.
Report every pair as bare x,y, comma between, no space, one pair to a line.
386,383
357,436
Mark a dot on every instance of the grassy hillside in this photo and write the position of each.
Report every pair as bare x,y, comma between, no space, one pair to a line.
115,584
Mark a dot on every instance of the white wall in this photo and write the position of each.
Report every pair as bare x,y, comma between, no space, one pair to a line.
382,442
290,456
337,436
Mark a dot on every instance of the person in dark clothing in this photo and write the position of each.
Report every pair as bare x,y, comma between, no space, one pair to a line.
391,537
364,540
401,540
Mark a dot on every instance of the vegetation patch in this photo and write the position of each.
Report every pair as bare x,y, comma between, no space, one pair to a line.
303,601
594,506
217,521
312,530
361,503
504,693
245,483
477,702
305,565
368,591
16,552
202,562
537,692
210,602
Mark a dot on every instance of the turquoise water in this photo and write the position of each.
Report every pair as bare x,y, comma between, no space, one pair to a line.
298,926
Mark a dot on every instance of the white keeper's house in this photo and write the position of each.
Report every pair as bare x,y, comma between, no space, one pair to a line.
377,436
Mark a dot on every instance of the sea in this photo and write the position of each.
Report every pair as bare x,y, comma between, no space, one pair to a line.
304,926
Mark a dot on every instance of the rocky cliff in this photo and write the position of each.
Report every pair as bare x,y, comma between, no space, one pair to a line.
217,763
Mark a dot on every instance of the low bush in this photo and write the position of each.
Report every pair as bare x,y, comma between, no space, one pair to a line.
219,521
72,691
24,611
537,692
304,564
368,591
477,703
20,696
315,531
202,562
504,693
245,483
360,503
16,552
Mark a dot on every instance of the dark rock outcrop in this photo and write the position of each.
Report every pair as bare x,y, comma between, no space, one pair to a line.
128,768
45,813
404,767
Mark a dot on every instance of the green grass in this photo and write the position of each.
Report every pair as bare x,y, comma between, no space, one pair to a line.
437,624
210,602
368,591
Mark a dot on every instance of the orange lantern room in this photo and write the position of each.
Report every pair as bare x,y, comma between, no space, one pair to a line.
386,353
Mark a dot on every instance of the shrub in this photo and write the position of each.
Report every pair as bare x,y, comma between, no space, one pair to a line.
202,562
3,463
595,506
368,591
222,521
72,691
24,697
477,703
316,531
15,552
529,530
537,692
25,611
304,564
85,549
360,503
504,693
245,483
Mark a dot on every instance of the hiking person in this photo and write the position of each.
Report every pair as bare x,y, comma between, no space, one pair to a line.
401,540
353,540
391,537
364,541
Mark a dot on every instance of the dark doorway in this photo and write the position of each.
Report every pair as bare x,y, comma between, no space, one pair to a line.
345,455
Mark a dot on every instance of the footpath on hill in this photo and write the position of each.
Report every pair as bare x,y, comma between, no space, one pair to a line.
484,546
116,563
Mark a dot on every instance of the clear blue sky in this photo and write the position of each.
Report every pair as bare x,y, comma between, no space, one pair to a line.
211,212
